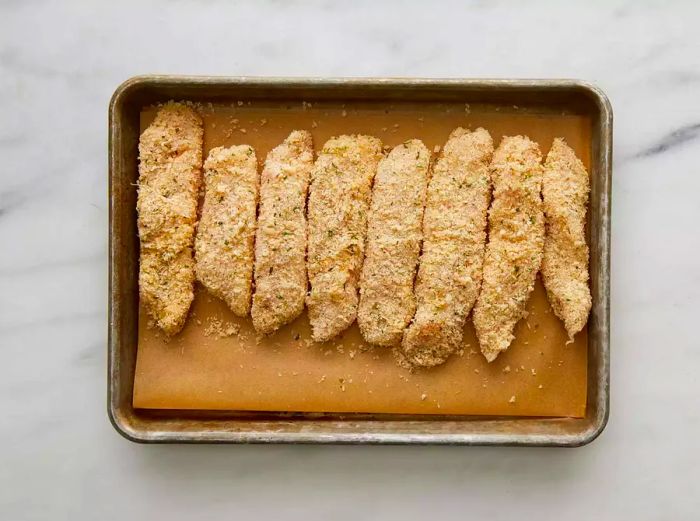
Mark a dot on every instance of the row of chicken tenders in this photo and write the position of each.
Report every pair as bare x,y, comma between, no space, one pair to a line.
402,242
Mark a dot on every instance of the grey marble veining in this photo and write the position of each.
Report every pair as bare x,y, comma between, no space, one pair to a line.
59,64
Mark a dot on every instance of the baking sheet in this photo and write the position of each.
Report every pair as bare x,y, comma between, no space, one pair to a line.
538,376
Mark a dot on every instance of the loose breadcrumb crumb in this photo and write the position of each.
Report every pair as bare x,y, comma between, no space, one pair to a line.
217,328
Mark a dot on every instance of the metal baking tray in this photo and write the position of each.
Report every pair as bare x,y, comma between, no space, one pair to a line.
236,427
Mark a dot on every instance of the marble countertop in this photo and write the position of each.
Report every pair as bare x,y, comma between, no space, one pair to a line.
60,63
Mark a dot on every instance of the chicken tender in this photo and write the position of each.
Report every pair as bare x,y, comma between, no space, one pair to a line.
226,231
280,242
339,198
516,242
170,172
454,234
565,188
394,235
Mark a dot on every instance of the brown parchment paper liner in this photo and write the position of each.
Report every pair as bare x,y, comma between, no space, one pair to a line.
538,376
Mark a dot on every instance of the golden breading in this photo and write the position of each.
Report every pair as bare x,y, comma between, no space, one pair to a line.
454,233
339,197
170,175
565,188
226,231
280,242
516,242
394,236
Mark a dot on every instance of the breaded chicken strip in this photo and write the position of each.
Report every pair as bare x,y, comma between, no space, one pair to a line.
454,233
226,231
516,242
280,241
170,172
565,188
394,236
339,197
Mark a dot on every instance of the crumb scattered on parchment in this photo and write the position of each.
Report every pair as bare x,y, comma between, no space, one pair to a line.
344,113
436,149
540,386
512,399
401,360
506,369
314,124
533,372
217,328
340,348
423,396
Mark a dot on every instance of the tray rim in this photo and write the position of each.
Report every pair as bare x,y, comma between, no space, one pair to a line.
603,160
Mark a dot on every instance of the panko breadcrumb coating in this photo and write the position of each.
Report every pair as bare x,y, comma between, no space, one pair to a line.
516,242
454,234
226,231
339,198
170,171
280,242
565,188
394,236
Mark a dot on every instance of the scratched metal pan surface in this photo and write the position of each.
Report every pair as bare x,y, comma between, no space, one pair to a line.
231,427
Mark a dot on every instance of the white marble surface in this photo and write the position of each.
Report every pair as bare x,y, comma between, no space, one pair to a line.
60,62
